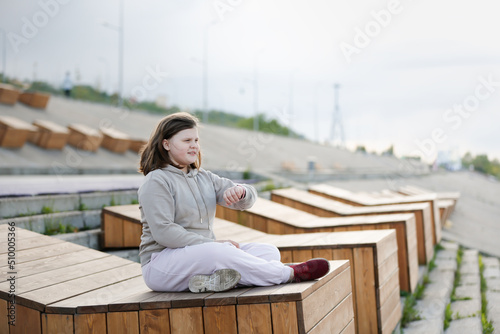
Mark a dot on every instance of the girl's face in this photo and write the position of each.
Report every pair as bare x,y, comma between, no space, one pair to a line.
183,147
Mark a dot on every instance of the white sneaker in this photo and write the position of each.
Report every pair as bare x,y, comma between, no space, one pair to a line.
220,280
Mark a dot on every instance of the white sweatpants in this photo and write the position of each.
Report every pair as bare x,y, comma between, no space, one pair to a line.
258,263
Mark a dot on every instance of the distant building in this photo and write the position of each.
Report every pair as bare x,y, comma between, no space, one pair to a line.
450,160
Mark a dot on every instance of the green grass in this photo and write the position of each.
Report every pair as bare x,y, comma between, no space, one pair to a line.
82,207
448,315
419,291
269,186
438,247
487,325
458,276
47,210
432,263
409,312
53,228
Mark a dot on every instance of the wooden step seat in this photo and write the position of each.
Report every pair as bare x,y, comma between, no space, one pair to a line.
275,218
8,94
325,207
444,206
372,254
136,144
84,137
62,287
356,199
115,140
34,99
14,132
50,135
447,200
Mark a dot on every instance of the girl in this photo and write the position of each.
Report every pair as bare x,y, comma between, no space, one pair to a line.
177,201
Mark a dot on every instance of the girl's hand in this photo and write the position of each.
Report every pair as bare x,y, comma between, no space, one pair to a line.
237,245
234,194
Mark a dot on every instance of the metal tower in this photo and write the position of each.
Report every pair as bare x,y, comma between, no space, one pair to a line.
337,131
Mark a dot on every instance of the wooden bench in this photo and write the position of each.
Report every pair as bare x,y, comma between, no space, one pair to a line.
372,255
447,201
8,94
66,288
136,144
34,99
50,135
325,207
444,206
114,140
275,218
14,132
348,197
84,137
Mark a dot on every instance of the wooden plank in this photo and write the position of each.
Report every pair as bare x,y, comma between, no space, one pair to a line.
131,302
392,321
322,301
302,255
154,321
57,292
97,300
385,291
350,328
131,234
254,318
48,278
325,253
57,323
94,323
27,321
338,320
28,241
175,300
225,298
113,231
220,319
58,261
46,252
392,303
347,254
386,269
284,317
123,322
4,314
258,295
365,283
186,320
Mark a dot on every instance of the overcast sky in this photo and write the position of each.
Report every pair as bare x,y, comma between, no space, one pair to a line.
421,75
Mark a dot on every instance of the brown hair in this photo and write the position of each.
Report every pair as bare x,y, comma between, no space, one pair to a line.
153,155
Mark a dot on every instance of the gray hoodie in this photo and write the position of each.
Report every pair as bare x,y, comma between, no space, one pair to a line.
178,209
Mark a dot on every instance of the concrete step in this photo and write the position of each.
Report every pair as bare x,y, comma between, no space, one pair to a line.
31,205
465,307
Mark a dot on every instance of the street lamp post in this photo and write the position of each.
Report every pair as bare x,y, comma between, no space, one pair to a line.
256,89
